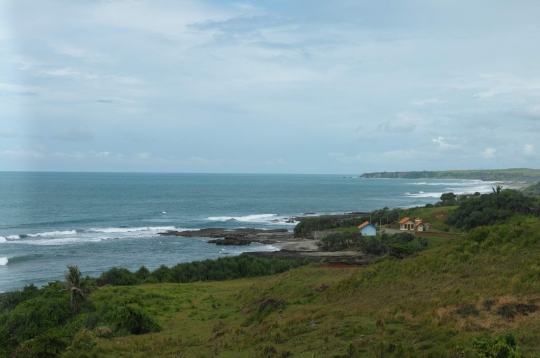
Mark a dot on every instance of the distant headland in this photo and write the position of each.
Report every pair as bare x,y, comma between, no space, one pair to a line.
514,174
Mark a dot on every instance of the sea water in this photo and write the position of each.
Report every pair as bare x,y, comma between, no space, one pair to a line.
101,220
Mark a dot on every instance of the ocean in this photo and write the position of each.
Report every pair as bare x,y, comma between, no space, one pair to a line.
100,220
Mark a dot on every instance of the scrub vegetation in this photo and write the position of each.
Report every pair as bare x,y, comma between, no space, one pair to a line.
474,294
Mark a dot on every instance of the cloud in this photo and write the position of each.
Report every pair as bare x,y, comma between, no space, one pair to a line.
8,133
74,155
143,155
443,145
80,133
489,153
23,153
17,89
531,111
397,126
528,149
427,101
496,84
112,100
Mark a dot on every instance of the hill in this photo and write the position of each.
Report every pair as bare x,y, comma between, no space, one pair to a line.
517,174
423,306
532,190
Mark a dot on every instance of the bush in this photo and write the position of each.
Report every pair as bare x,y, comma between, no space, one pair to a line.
491,209
226,268
136,320
504,346
397,245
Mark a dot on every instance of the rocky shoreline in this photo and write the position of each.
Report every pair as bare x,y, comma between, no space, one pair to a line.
291,247
236,237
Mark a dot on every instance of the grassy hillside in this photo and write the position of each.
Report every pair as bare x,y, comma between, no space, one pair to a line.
516,174
532,190
449,298
480,285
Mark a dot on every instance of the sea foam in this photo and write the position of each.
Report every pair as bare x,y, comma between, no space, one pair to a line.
3,261
246,218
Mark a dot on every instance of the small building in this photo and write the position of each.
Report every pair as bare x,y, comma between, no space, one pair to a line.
407,224
367,229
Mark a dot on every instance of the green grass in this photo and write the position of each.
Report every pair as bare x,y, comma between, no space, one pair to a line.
422,306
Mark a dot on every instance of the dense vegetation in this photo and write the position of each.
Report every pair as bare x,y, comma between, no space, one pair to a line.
397,245
532,190
48,321
40,322
227,268
307,226
518,174
491,209
477,295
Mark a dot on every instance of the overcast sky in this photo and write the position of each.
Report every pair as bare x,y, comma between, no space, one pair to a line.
269,86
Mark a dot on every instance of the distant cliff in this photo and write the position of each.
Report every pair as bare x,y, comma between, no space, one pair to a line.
517,174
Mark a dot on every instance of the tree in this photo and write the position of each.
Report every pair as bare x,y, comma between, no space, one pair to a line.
77,287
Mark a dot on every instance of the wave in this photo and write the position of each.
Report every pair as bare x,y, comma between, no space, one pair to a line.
85,236
247,218
269,219
63,241
53,233
112,230
424,195
4,261
3,239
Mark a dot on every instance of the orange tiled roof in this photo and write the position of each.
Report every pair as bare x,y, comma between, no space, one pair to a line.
403,221
363,224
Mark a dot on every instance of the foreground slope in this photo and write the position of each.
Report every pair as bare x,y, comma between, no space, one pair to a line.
482,284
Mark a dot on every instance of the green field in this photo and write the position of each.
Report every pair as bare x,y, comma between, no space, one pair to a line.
422,306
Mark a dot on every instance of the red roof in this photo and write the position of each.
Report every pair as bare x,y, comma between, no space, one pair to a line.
363,224
403,221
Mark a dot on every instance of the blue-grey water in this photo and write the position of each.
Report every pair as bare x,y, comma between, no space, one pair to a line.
99,220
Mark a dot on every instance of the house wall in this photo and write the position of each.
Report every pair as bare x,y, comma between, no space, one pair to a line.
407,226
368,230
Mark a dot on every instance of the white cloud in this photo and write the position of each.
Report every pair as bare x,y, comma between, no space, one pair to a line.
495,84
18,89
489,153
22,153
80,133
403,124
427,101
6,133
74,155
528,149
443,145
532,111
143,155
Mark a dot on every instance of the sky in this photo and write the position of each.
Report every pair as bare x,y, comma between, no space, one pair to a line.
315,87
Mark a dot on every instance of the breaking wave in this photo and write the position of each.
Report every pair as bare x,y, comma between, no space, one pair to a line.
86,236
3,261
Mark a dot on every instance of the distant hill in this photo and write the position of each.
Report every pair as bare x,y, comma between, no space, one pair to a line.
515,174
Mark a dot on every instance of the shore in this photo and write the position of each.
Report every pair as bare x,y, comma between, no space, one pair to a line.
289,246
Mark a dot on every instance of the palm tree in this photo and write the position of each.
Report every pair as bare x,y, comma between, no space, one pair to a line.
77,287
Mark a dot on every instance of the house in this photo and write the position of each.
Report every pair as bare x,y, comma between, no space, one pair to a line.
407,224
367,229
